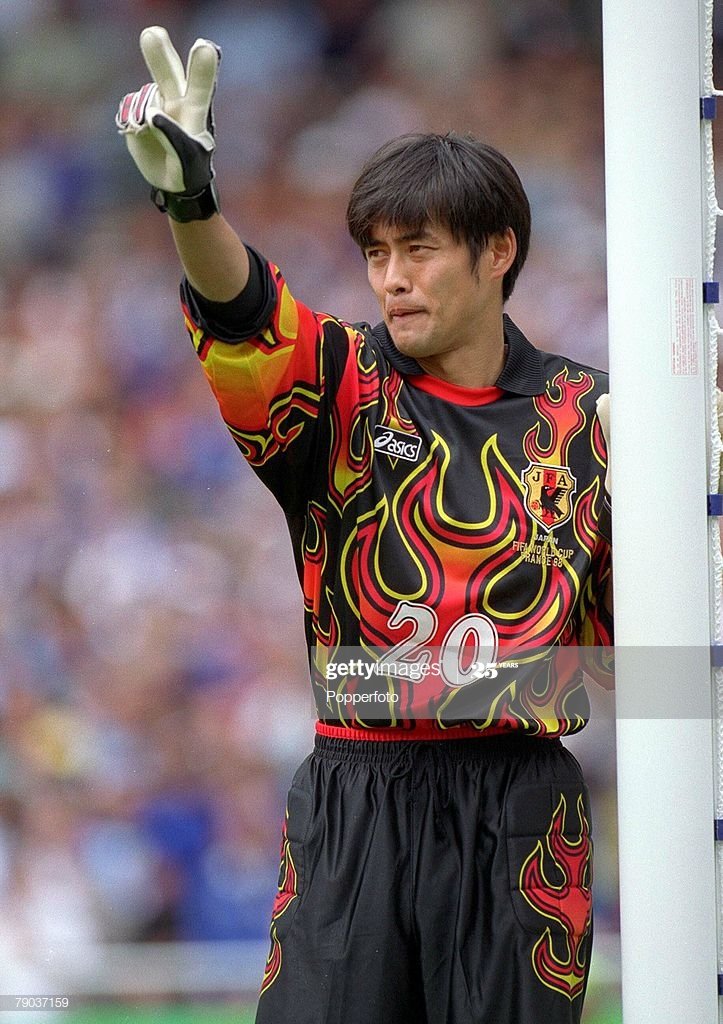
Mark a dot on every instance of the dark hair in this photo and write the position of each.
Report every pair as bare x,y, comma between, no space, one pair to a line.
453,180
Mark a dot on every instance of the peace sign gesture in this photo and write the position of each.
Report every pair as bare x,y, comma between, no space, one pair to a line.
168,123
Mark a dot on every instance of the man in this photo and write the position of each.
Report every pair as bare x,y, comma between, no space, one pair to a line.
443,485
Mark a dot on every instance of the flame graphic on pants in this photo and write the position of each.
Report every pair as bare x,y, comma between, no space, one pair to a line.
287,893
561,962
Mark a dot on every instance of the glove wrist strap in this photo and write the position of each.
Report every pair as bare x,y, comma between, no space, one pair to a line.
187,208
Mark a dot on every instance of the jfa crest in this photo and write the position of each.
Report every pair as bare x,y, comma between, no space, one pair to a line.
549,493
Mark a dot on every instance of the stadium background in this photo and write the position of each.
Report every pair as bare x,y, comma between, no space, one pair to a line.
152,675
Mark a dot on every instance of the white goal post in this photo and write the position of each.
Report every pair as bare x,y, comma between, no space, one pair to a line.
660,399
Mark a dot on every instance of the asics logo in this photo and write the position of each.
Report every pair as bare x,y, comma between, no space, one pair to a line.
397,445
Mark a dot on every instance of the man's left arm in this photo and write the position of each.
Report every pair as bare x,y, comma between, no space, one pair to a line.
603,413
596,625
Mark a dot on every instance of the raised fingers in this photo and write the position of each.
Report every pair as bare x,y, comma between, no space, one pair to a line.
203,61
163,62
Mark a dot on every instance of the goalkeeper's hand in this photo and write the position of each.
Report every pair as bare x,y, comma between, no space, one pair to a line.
603,414
605,522
168,124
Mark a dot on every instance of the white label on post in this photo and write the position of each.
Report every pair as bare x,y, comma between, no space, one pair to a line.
684,338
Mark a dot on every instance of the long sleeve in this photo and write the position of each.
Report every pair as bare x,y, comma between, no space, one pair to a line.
274,379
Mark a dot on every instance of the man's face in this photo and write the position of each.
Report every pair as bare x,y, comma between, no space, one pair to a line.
431,299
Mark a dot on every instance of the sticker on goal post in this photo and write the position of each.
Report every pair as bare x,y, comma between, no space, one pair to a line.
684,360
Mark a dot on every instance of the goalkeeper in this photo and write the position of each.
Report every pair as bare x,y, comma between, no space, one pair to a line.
443,484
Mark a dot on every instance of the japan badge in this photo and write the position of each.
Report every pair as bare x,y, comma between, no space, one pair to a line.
549,491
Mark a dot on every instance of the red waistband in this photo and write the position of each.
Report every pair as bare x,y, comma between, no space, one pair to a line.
422,732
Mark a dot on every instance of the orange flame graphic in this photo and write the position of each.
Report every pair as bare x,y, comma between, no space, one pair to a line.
391,413
568,903
560,412
288,891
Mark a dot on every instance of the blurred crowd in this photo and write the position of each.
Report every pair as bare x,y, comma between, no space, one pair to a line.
153,692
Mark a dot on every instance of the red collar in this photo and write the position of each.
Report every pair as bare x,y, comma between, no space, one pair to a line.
456,393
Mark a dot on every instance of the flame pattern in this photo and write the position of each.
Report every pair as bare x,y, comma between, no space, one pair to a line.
450,534
560,962
287,893
560,416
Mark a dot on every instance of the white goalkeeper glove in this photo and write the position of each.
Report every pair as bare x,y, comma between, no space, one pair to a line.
168,126
603,414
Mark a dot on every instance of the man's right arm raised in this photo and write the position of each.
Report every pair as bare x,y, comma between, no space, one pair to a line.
215,260
274,365
169,130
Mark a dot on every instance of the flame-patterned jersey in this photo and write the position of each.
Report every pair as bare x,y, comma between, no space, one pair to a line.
446,537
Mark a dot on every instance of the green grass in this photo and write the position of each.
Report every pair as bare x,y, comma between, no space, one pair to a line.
162,1015
600,1012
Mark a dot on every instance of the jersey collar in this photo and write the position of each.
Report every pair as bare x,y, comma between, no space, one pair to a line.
522,374
524,371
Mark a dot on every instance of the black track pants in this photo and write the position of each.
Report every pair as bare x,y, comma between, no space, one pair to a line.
442,882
